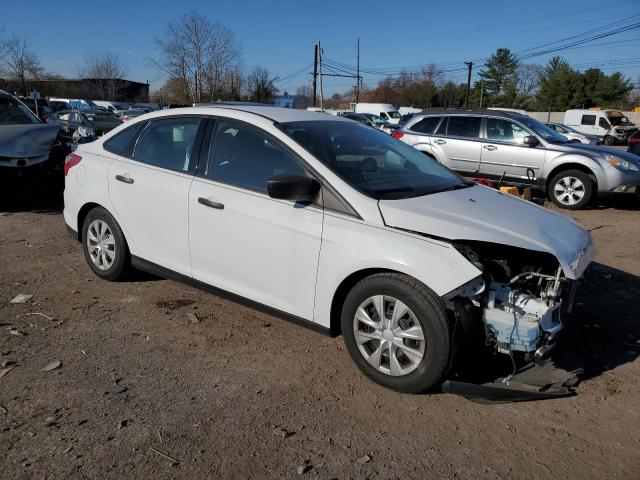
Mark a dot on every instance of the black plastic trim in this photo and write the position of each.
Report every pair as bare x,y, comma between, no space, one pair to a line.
154,269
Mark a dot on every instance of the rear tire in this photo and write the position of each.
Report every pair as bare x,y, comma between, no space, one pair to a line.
104,245
571,189
408,349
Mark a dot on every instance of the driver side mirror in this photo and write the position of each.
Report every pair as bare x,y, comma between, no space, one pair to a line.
298,188
531,141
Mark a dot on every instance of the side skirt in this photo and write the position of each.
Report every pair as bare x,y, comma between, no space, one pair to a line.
159,271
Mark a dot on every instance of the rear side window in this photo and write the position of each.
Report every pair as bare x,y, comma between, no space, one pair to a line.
426,125
244,156
169,143
467,127
121,144
588,120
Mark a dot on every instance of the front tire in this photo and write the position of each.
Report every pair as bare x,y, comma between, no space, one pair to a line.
609,140
571,189
104,245
397,333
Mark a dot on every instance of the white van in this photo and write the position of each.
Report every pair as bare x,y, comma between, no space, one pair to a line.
613,125
74,103
113,107
385,110
409,110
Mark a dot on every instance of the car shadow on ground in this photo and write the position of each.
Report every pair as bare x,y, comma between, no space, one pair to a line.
621,201
39,197
602,333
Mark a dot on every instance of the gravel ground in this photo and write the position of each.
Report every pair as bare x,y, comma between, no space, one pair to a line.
144,391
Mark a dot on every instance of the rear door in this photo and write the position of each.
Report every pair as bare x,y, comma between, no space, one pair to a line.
504,151
243,241
149,189
457,143
419,134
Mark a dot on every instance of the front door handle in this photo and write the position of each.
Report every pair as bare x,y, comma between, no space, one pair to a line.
124,179
490,147
209,203
440,142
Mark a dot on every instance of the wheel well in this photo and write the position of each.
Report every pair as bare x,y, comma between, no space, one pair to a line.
571,166
82,214
430,155
341,294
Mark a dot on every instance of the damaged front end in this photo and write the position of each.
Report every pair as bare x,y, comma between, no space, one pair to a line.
517,305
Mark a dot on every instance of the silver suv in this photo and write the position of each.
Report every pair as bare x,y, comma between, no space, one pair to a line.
520,150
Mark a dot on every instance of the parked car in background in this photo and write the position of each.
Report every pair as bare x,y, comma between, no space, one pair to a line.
113,107
384,110
87,124
240,199
74,103
573,135
369,119
127,115
634,143
521,150
58,106
612,125
39,106
147,107
29,148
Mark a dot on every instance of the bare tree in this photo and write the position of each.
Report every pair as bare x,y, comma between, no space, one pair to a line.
18,62
200,53
107,70
260,85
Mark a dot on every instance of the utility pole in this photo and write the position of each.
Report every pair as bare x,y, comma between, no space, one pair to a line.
321,90
358,72
315,72
481,91
470,65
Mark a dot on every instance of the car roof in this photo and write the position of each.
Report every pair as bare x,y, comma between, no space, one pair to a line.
276,114
482,112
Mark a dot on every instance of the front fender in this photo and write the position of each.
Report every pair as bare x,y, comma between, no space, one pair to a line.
566,160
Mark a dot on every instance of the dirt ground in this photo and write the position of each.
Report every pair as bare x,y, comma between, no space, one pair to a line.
144,392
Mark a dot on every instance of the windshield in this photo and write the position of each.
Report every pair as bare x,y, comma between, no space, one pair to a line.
13,112
378,120
394,114
372,161
539,128
617,119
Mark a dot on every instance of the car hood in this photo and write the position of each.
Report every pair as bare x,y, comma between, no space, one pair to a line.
483,214
26,141
592,149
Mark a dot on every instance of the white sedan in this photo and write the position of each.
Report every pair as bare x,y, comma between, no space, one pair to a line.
330,224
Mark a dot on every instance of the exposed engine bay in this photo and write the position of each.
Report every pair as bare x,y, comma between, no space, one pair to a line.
519,299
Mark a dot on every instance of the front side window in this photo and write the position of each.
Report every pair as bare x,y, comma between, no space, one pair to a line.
604,124
245,156
588,120
384,115
426,125
501,130
467,127
394,114
372,161
169,143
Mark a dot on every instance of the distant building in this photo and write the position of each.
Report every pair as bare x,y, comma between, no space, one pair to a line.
291,101
87,88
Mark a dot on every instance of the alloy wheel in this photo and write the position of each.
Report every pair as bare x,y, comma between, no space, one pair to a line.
388,335
101,244
569,190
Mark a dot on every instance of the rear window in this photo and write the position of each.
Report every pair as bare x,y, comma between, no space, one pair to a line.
588,120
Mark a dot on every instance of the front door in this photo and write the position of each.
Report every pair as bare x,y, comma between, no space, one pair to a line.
457,143
243,241
504,152
149,191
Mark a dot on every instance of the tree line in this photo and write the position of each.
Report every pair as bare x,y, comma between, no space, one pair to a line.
504,81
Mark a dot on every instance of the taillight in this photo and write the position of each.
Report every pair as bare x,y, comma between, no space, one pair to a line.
72,160
397,135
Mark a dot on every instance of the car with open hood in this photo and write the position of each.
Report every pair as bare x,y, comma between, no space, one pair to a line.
332,225
29,148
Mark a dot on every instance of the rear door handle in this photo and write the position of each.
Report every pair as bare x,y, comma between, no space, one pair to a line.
124,179
440,142
490,147
209,203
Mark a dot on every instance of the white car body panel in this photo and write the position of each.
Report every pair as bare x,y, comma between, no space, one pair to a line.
484,214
